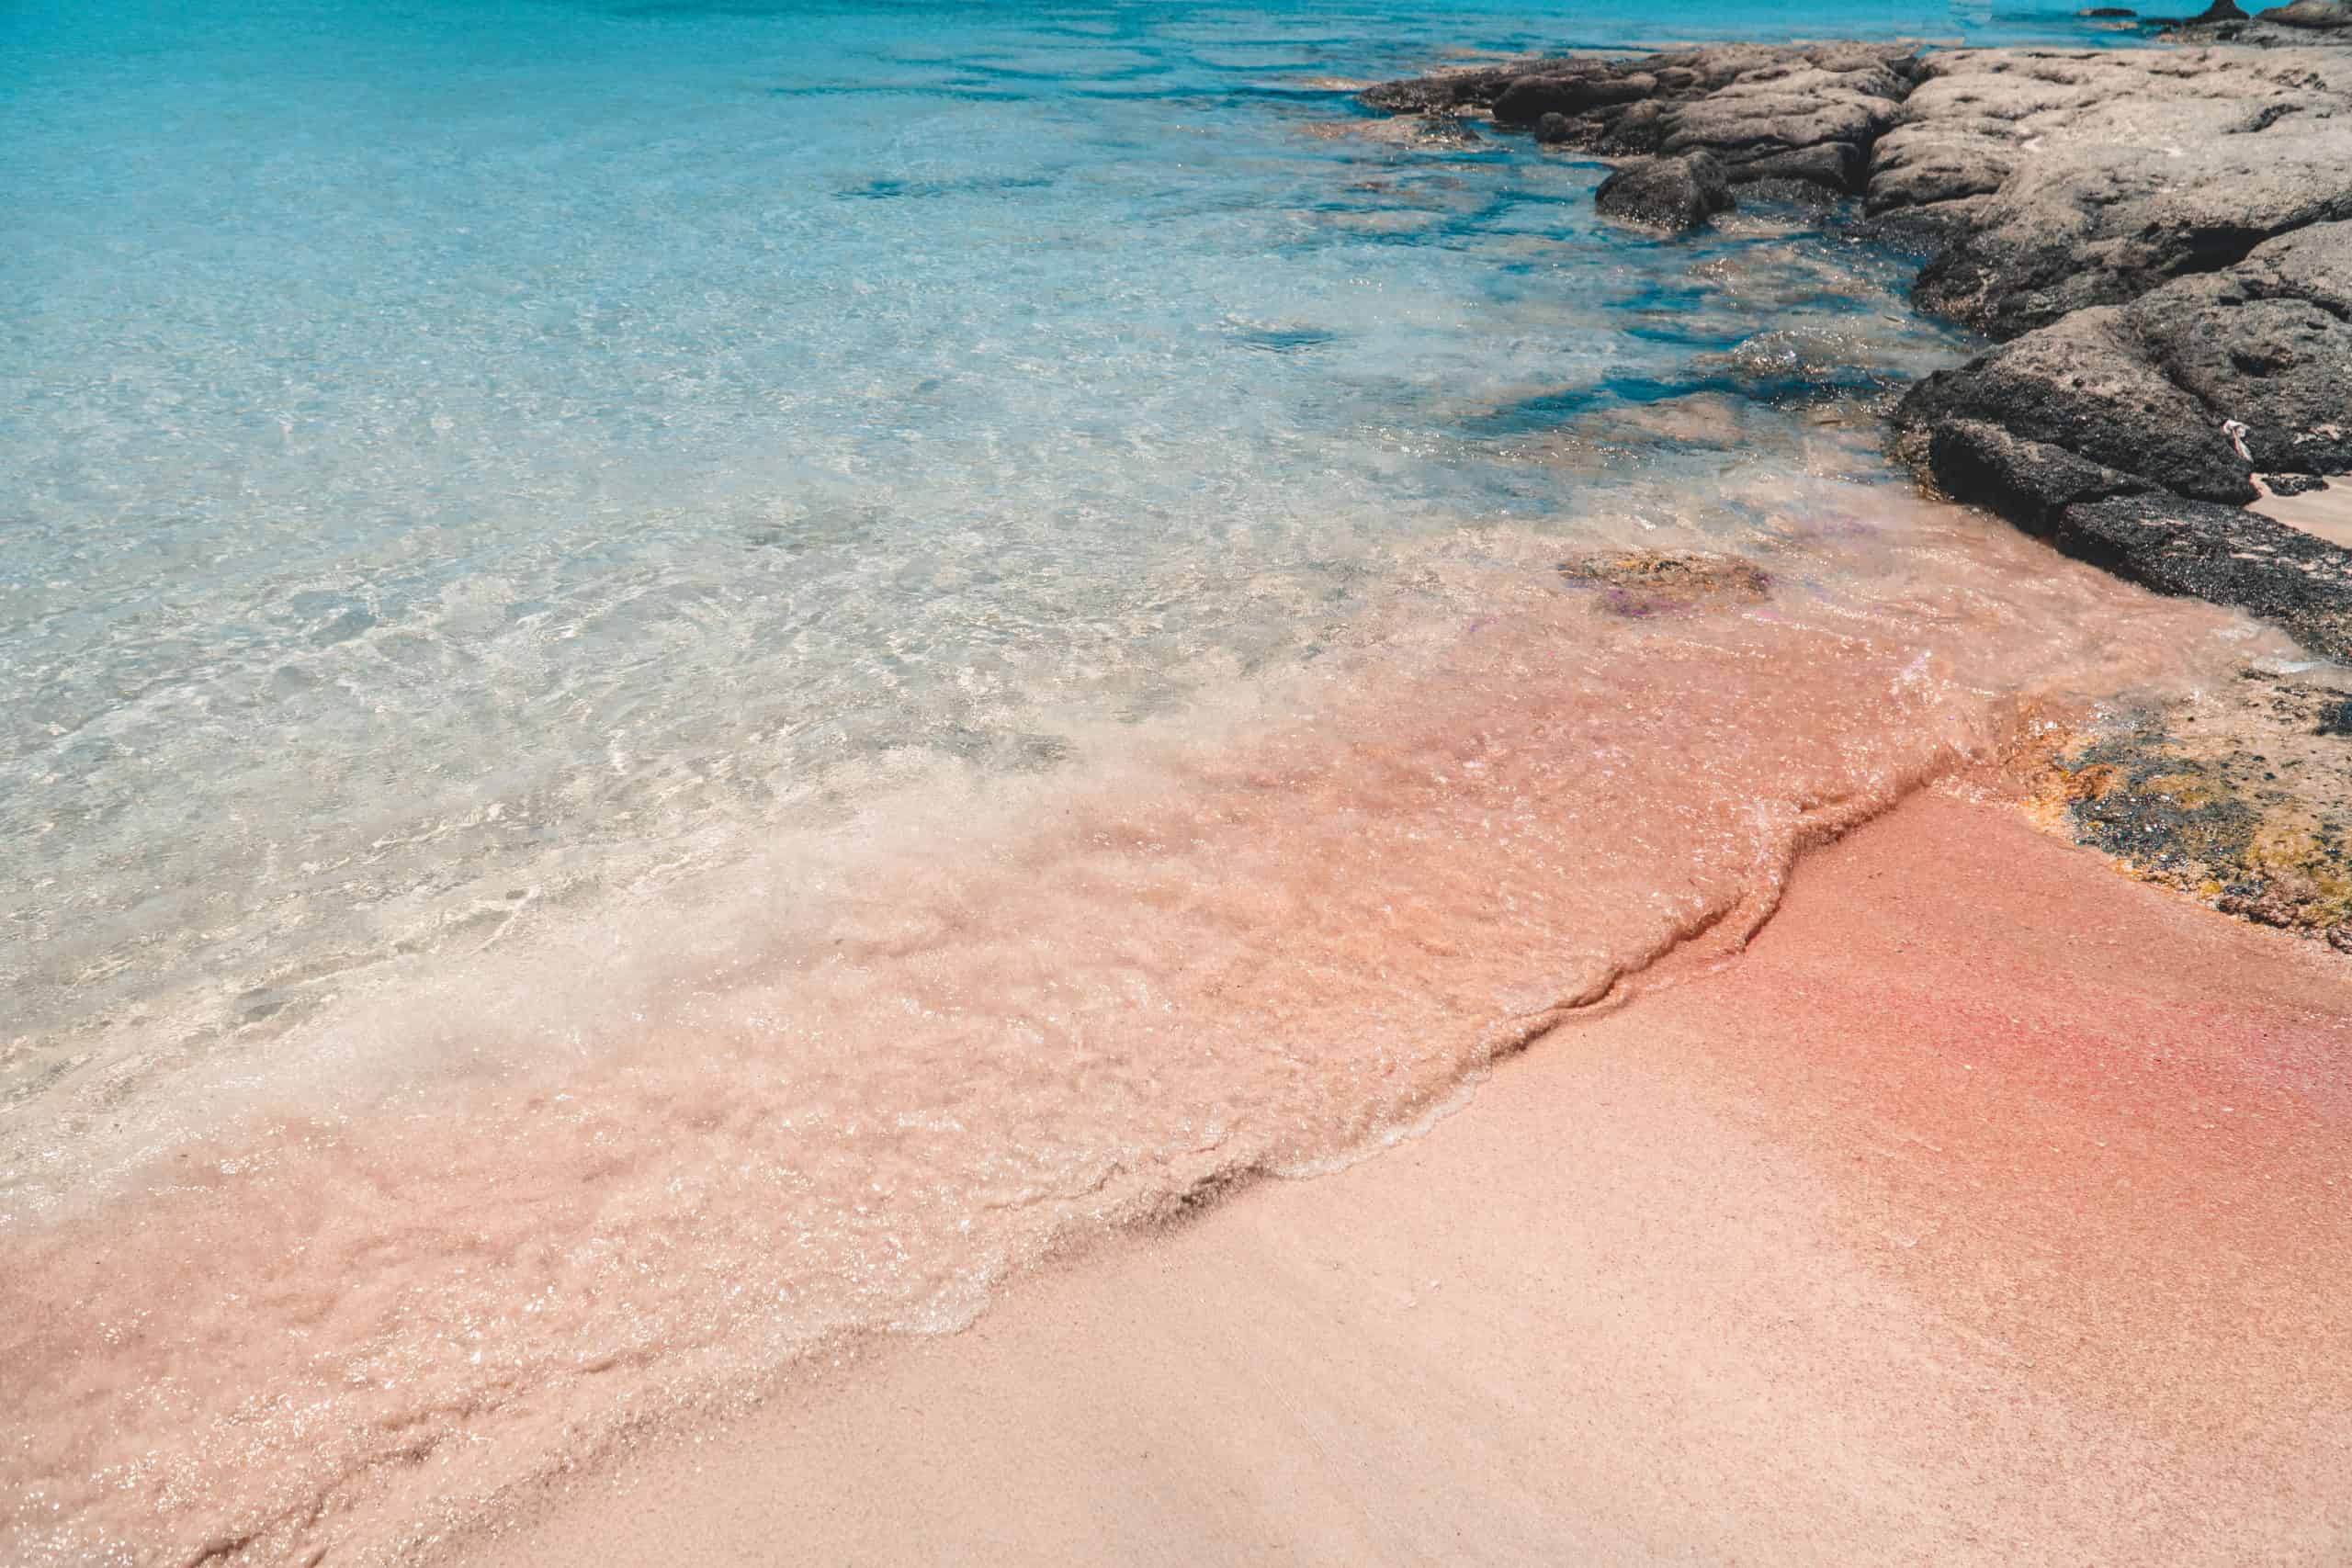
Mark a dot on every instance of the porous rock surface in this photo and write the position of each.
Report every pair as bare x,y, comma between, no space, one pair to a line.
2058,180
1760,111
1672,194
2241,798
2282,25
2160,237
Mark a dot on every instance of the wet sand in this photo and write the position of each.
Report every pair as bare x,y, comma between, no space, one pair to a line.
1991,1208
2325,513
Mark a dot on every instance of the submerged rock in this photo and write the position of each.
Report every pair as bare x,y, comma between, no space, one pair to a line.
1435,132
1675,195
1638,583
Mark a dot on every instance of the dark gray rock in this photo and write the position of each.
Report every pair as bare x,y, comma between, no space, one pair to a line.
2295,581
2162,238
2030,482
1835,166
1804,113
1475,88
2321,15
2086,387
2163,391
1529,98
1675,195
1555,129
2268,344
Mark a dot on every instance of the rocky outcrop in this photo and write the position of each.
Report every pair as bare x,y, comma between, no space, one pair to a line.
2193,388
2240,797
1805,113
2281,27
2161,239
1674,195
2126,524
2030,483
2049,180
2061,180
2321,15
2086,386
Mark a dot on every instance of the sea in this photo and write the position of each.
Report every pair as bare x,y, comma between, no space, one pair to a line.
682,680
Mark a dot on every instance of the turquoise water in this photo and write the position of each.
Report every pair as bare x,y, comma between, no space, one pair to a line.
681,680
457,454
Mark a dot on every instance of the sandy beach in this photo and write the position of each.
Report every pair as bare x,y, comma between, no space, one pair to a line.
795,784
1990,1209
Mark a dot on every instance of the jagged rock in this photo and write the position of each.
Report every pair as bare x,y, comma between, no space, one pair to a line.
2165,389
2220,11
2164,235
1783,124
2091,176
1529,98
1554,129
2268,344
2323,16
1474,87
2086,385
1804,113
2030,482
1676,194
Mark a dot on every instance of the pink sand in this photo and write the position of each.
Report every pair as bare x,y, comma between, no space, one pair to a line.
1991,1209
633,1173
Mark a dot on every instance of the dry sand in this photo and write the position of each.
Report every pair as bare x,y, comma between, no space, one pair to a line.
1991,1208
2326,512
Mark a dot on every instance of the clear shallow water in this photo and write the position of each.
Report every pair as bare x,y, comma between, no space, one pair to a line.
682,678
452,452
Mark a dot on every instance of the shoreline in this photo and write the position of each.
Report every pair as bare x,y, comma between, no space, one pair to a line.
2158,242
1805,1257
2157,238
1284,1334
978,1047
1737,1464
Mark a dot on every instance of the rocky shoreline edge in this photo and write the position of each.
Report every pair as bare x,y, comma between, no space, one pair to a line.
2158,242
